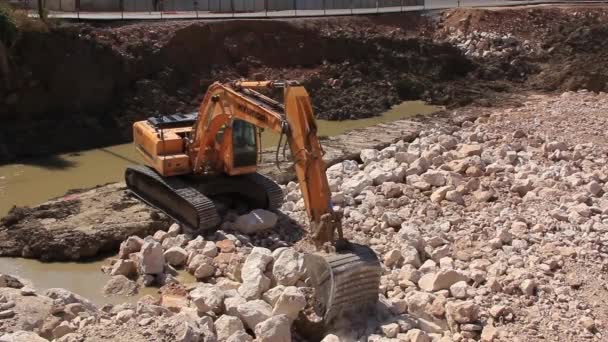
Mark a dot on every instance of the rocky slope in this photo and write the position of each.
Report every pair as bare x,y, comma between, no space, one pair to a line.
491,228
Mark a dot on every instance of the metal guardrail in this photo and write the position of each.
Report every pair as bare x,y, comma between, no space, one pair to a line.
228,9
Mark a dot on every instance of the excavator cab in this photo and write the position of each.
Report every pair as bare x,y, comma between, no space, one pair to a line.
244,144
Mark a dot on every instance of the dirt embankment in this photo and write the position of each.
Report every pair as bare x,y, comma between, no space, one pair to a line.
93,82
81,86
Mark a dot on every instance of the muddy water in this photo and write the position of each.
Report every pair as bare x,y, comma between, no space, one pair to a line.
36,181
84,278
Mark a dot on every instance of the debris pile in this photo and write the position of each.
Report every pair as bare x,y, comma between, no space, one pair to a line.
490,228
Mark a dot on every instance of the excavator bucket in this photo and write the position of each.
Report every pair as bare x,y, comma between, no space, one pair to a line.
346,283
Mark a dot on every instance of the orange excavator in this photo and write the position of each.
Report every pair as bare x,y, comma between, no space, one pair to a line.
199,164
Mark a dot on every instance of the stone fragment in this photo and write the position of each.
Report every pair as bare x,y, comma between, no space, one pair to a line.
64,297
274,329
152,258
391,190
392,219
393,258
521,186
255,282
459,290
454,196
7,313
204,271
132,244
489,333
271,296
288,266
594,188
226,326
257,220
207,297
240,336
434,178
254,312
528,287
28,291
462,312
470,150
441,280
332,337
417,335
7,280
390,330
289,303
176,256
587,323
127,268
369,155
439,194
119,285
63,329
125,315
22,336
226,246
356,183
231,304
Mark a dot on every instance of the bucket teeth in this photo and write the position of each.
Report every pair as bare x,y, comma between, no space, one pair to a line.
345,283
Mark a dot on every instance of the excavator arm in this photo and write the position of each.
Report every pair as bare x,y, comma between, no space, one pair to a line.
224,103
192,158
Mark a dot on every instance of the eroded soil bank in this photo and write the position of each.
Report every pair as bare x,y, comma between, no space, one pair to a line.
93,81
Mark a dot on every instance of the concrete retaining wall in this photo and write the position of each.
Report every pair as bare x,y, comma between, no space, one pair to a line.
216,5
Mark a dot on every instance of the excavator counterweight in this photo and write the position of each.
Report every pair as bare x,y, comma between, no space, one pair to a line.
199,166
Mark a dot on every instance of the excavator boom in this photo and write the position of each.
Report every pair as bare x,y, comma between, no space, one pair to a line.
191,167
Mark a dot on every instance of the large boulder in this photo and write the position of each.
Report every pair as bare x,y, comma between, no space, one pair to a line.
124,267
369,155
274,329
356,183
22,336
441,280
152,257
65,297
288,266
176,256
226,326
207,297
132,244
290,303
23,312
257,220
254,312
255,282
240,336
119,285
7,280
232,303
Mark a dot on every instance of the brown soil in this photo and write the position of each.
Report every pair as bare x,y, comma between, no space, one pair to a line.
78,225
